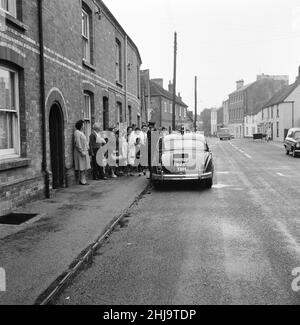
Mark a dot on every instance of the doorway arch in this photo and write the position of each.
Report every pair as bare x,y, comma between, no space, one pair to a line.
57,149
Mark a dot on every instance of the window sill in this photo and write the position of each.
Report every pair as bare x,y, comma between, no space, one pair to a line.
16,23
13,163
88,65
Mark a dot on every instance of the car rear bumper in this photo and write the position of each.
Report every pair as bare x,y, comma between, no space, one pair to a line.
185,177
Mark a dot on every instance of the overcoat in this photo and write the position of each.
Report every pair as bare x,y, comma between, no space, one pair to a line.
81,152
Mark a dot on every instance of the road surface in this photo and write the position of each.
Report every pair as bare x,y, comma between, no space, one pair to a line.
237,243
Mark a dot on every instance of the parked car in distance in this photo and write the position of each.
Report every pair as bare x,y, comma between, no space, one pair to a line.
292,142
224,134
182,158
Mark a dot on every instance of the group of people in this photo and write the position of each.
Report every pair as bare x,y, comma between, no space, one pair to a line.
121,157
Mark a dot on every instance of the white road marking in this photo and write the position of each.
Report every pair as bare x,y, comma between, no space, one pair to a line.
220,186
292,242
279,174
225,173
241,151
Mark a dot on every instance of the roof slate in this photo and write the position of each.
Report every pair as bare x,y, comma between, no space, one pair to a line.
281,95
242,88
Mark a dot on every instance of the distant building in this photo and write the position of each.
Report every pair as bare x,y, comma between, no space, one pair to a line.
190,121
214,121
247,100
205,118
226,113
220,118
161,105
209,121
282,111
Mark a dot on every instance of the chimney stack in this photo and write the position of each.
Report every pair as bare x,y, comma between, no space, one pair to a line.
239,84
170,87
298,77
159,81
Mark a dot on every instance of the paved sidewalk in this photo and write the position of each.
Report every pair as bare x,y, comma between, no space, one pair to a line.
34,255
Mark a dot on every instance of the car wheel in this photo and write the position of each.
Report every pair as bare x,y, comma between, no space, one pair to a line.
156,185
294,153
287,151
209,183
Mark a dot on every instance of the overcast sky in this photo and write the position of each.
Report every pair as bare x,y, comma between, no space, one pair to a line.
219,41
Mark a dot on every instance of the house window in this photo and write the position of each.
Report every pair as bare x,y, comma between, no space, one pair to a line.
87,114
105,113
277,129
262,114
120,112
9,6
138,120
118,55
86,42
9,114
272,112
130,115
277,111
165,107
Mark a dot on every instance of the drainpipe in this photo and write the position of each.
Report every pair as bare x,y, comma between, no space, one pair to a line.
43,105
293,111
126,77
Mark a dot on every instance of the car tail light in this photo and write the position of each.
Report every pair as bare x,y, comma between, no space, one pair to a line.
159,169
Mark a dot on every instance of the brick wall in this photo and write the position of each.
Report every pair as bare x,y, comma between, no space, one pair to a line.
66,79
162,118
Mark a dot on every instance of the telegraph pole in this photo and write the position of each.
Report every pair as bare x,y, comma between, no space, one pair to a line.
174,83
196,113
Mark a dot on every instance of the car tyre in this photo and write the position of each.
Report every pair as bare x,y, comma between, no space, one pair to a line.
294,153
209,183
156,185
287,151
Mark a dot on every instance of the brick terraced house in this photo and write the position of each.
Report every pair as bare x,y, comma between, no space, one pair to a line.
60,61
161,106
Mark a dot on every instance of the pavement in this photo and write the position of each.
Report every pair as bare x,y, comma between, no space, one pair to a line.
238,243
34,255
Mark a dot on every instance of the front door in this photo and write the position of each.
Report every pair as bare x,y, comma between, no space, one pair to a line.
56,129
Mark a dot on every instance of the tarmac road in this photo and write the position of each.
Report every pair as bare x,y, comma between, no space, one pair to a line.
237,243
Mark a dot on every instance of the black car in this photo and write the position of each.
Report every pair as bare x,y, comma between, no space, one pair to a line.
292,142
